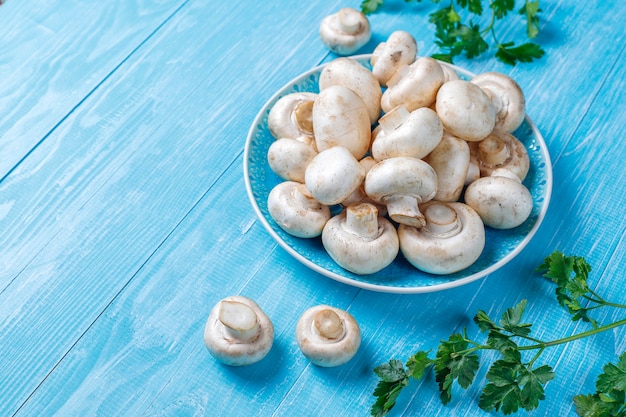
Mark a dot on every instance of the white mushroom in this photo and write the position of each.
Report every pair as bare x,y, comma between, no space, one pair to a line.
452,239
294,209
414,86
465,110
404,133
328,336
291,116
388,57
288,158
501,200
359,240
359,196
507,97
501,150
333,175
401,183
238,332
351,74
345,31
451,161
340,118
449,72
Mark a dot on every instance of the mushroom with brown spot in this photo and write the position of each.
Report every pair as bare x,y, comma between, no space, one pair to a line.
328,336
238,332
402,183
399,50
452,239
345,32
359,240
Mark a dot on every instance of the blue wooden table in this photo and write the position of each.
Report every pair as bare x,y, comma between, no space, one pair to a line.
125,218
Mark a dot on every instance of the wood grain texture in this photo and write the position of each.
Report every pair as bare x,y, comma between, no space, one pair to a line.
125,216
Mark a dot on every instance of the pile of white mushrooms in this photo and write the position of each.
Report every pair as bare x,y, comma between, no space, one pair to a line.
418,160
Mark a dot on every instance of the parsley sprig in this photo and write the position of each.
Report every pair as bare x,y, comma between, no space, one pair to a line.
515,380
456,36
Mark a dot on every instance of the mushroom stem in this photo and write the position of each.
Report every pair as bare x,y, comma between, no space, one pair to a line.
328,325
404,209
441,220
362,220
303,116
239,320
493,150
349,21
394,118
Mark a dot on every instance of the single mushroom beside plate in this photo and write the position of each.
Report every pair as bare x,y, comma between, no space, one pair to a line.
328,336
238,332
346,31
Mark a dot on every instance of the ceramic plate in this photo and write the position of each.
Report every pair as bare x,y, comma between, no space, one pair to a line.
399,277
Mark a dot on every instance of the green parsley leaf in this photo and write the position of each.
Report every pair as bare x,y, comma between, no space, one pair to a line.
511,54
531,10
418,363
510,320
393,377
502,7
370,6
474,6
610,398
454,362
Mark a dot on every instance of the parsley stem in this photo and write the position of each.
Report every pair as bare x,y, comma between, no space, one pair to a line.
574,337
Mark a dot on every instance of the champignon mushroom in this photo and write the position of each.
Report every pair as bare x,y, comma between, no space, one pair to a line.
404,133
414,86
451,161
452,239
296,211
238,332
340,118
501,150
350,74
328,336
465,110
507,98
359,240
345,32
501,200
288,158
401,183
359,196
388,57
291,116
449,73
333,175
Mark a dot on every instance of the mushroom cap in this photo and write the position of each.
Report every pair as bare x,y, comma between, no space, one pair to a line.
465,110
225,347
401,183
501,202
288,158
399,50
507,97
413,134
319,320
414,86
333,175
351,74
294,209
449,73
291,116
345,32
359,240
501,150
451,161
341,118
443,252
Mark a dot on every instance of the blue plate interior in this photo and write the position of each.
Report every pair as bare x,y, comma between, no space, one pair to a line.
399,277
